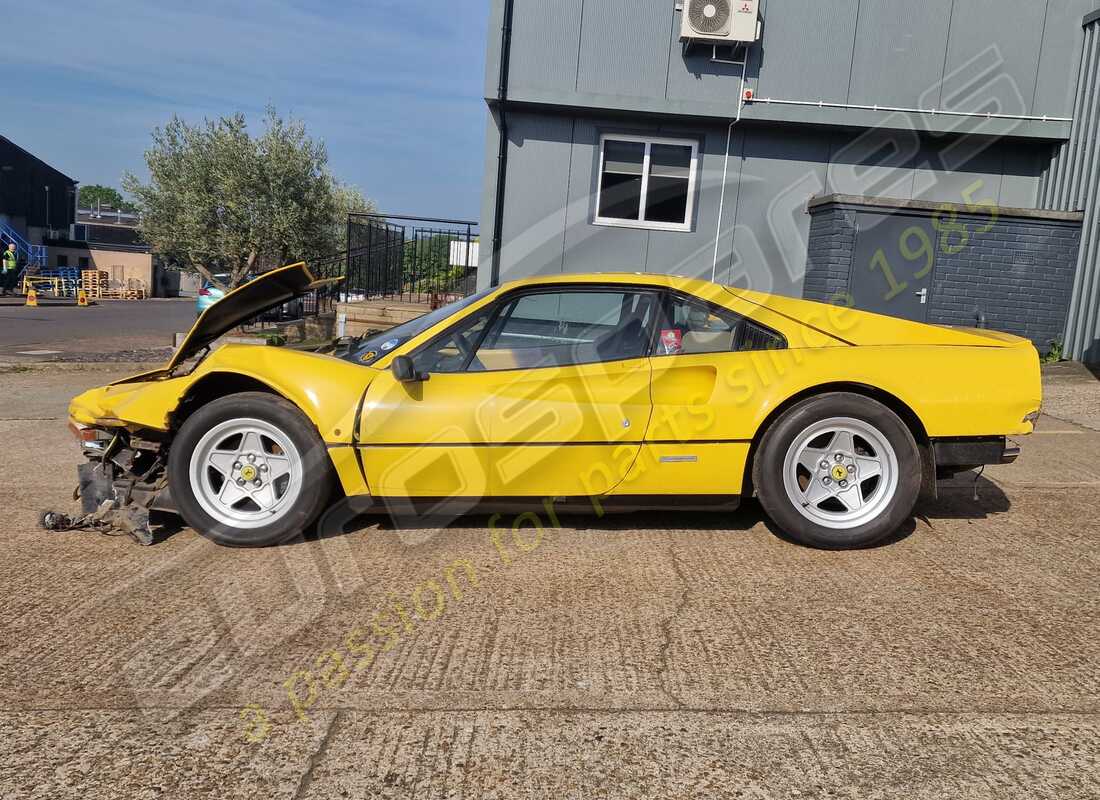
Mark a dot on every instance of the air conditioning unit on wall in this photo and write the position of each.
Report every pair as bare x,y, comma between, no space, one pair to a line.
719,21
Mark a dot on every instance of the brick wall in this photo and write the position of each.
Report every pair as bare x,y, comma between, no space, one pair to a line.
1017,277
832,245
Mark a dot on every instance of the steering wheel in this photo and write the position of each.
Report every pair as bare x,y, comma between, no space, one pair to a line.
467,350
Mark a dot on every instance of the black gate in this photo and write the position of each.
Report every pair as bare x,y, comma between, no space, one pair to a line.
410,259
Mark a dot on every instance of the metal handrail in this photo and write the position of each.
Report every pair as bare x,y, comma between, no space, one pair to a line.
438,221
35,254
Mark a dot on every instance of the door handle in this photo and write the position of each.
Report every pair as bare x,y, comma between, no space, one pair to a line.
923,295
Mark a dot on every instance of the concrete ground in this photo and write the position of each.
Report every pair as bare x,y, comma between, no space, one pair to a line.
58,329
663,656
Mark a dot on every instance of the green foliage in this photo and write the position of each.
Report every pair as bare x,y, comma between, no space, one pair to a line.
221,200
445,280
425,257
426,264
1056,352
94,195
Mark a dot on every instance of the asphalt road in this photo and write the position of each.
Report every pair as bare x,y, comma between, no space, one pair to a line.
663,656
60,327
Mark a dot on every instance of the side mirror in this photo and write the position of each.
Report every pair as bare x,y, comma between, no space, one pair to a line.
405,371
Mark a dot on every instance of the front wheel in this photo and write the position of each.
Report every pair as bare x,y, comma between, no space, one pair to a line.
838,471
249,470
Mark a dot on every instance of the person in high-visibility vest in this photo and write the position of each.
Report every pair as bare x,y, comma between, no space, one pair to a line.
10,269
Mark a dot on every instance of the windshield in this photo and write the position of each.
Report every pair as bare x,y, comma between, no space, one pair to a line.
372,349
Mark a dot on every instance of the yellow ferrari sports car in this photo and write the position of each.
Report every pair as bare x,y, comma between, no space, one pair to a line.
607,392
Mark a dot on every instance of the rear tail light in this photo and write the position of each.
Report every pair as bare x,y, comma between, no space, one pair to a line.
204,292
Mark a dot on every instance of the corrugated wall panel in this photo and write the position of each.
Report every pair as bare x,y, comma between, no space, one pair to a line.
692,75
1020,175
624,47
539,155
1075,183
982,169
886,52
987,35
780,171
545,42
1057,180
692,254
1061,52
874,164
806,52
899,52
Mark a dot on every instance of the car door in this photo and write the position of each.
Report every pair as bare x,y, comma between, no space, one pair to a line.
700,436
544,393
566,375
429,439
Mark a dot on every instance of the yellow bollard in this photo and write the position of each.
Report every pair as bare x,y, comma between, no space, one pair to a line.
32,299
82,298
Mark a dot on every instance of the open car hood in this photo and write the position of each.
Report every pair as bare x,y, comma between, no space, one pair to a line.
270,290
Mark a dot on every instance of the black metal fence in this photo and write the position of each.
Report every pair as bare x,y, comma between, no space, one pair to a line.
323,301
319,301
410,259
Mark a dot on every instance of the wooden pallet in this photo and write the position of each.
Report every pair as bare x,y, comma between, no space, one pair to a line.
134,289
94,282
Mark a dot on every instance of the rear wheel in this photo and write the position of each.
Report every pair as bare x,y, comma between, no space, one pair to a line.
249,470
838,471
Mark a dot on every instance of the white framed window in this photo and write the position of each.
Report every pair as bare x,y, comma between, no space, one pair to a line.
646,182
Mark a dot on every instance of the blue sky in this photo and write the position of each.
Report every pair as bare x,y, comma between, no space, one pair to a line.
393,88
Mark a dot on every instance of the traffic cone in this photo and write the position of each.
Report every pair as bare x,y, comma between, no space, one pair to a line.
32,299
82,298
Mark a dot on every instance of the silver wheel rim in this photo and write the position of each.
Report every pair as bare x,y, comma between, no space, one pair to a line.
841,473
246,473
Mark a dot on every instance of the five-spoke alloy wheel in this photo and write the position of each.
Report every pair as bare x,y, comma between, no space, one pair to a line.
249,470
246,473
838,471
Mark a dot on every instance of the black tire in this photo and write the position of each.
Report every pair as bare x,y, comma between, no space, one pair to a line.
317,478
768,466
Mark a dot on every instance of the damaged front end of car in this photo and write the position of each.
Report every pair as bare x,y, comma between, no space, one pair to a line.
121,481
125,428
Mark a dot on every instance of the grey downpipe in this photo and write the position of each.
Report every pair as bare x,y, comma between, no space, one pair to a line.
502,152
726,162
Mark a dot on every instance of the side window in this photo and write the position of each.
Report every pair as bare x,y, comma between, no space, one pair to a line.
455,348
692,327
553,329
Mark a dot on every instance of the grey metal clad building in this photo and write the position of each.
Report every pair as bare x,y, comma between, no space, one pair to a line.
935,160
35,198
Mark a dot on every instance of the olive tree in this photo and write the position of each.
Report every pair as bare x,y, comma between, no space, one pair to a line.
220,201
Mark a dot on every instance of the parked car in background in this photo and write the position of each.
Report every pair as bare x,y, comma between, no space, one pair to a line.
210,293
630,391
